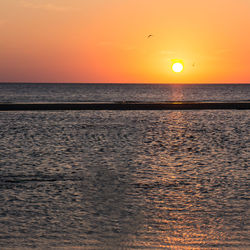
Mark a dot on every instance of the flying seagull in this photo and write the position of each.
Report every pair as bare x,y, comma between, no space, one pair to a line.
149,36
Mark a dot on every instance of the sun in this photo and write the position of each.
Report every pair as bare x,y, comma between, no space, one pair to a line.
177,67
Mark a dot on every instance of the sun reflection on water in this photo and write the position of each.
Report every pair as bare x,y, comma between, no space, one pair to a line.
119,180
185,207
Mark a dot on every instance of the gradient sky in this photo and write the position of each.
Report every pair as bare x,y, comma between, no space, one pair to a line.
106,41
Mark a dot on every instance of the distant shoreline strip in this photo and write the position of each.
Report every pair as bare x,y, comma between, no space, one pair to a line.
124,106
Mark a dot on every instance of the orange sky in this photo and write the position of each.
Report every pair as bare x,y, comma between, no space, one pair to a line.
106,41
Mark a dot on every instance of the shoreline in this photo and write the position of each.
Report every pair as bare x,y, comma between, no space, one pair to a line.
124,106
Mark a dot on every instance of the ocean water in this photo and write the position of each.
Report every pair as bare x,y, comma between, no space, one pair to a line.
122,92
124,179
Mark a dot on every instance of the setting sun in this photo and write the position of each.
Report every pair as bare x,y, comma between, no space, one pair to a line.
177,67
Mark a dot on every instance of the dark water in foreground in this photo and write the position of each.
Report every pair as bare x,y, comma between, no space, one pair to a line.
124,179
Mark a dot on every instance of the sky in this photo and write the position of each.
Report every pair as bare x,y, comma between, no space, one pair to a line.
106,41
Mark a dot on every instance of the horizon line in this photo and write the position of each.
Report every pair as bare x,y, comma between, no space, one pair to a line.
149,83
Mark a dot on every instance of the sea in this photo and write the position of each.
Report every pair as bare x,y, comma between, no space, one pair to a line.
124,179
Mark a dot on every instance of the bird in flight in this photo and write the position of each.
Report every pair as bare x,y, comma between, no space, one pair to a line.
150,35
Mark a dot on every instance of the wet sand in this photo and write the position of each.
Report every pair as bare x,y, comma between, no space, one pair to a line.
124,106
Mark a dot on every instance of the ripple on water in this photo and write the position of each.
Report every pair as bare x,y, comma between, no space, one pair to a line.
110,180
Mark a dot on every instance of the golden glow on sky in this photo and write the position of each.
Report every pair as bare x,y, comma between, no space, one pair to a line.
124,41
